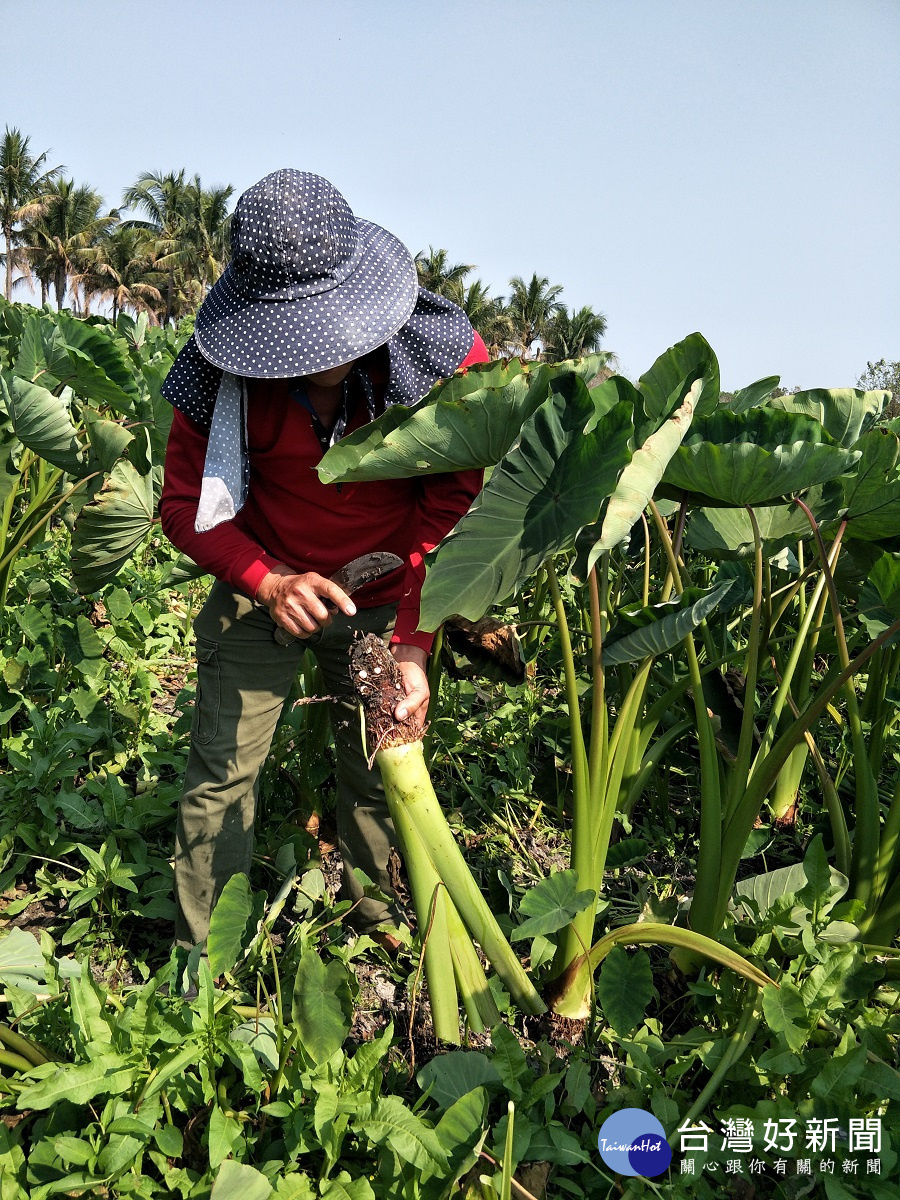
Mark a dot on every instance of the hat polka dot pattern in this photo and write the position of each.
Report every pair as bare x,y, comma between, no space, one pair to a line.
309,285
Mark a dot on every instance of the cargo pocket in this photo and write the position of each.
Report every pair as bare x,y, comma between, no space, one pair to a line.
205,724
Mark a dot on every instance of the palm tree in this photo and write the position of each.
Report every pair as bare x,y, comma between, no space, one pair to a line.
531,308
61,242
203,251
488,315
162,197
189,225
440,276
573,335
123,270
24,180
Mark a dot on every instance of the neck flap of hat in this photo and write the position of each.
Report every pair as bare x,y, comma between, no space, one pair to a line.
430,346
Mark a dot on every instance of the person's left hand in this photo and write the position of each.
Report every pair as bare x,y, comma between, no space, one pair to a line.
412,662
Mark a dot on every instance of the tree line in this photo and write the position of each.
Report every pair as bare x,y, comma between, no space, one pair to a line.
163,258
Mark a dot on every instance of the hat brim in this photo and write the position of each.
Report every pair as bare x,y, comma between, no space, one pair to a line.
280,339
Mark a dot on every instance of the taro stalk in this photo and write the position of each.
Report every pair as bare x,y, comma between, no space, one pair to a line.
450,908
574,450
751,458
57,448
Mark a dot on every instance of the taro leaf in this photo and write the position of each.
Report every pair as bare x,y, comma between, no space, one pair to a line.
728,532
764,890
544,491
636,486
227,924
626,853
753,394
885,577
83,647
656,629
453,1075
551,904
321,1005
42,356
625,988
108,439
666,385
845,413
786,1013
41,421
456,427
237,1181
110,528
755,457
389,1121
462,1129
22,963
99,370
872,492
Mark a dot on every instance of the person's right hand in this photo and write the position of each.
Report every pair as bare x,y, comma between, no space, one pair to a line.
298,602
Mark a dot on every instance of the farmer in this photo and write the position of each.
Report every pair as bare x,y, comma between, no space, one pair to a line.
316,326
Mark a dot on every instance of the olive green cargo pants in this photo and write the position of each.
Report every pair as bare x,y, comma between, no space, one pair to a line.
243,678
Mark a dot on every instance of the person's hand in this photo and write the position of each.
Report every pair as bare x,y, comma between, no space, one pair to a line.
298,602
412,662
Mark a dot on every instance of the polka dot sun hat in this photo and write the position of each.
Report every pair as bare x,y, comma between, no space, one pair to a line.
309,286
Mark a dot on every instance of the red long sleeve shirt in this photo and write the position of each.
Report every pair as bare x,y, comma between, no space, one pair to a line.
290,517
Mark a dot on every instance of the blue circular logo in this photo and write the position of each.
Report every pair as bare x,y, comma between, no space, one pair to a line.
632,1142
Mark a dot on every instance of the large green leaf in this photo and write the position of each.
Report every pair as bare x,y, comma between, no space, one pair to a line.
754,457
753,394
845,413
109,1074
625,988
452,1076
462,1129
237,1181
41,421
321,1005
108,439
728,532
111,527
656,629
390,1121
636,486
469,421
551,904
872,492
227,924
42,356
666,385
545,490
99,371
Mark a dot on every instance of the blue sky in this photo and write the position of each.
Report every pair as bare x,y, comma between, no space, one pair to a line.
730,166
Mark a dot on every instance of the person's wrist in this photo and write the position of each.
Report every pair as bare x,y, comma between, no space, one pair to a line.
406,653
269,583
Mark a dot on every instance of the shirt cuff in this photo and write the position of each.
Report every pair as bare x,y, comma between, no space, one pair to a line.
251,576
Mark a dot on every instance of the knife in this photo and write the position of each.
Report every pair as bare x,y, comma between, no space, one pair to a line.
350,578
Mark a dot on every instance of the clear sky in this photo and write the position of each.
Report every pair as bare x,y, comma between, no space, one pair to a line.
729,166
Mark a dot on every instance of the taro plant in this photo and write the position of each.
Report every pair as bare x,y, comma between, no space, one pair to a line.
82,432
778,460
574,469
